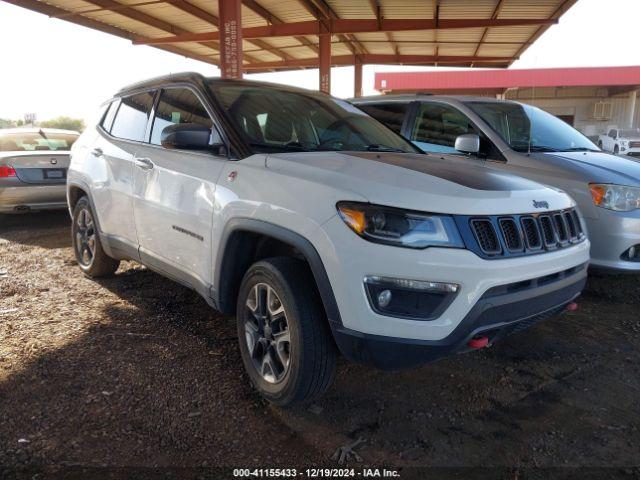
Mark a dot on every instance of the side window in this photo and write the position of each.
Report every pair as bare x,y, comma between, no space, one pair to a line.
391,114
107,120
179,105
131,120
437,127
612,133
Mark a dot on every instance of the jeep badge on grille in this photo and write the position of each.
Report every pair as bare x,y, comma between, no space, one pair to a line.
543,204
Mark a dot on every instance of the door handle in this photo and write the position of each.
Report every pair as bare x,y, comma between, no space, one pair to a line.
97,152
144,163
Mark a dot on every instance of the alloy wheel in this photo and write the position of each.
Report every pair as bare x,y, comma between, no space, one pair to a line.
267,333
85,237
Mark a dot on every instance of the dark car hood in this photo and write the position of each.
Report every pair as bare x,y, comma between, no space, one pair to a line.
597,166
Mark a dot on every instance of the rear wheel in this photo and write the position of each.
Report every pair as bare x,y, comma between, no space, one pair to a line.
600,144
285,342
91,258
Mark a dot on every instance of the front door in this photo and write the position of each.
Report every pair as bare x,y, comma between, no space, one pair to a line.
174,194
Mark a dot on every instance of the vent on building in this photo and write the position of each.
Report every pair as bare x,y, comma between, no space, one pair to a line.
602,110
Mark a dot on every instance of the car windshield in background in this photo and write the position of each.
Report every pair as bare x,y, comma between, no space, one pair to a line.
526,128
274,120
632,133
35,141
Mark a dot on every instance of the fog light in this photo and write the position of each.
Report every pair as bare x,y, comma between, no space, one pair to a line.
632,254
384,298
413,299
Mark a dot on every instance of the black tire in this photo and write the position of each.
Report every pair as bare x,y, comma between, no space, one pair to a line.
600,144
85,237
312,352
616,150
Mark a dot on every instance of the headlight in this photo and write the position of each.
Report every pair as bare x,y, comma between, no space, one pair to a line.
398,227
615,197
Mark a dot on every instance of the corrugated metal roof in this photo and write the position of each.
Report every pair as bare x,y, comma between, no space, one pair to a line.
504,79
440,42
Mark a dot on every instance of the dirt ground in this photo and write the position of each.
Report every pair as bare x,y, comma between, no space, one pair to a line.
137,371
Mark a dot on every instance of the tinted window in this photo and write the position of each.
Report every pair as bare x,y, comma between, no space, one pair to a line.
279,120
36,141
178,105
437,127
391,114
107,120
526,128
131,119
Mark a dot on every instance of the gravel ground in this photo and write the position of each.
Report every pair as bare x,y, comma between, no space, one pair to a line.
136,370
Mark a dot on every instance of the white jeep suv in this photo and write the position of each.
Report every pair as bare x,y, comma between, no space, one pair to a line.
318,227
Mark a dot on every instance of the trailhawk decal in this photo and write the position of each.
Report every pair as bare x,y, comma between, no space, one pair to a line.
468,175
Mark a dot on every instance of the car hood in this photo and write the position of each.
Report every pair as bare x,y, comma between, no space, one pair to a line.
433,183
596,166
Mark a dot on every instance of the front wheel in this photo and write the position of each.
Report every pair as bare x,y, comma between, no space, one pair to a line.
91,258
285,342
616,150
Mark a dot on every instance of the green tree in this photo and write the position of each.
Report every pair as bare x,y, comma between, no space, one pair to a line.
65,123
6,123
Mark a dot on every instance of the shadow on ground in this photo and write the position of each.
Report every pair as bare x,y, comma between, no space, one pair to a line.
53,229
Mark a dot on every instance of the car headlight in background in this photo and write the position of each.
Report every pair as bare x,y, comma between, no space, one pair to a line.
403,228
619,198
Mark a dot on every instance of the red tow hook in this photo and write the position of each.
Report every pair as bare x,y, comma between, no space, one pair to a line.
478,342
571,307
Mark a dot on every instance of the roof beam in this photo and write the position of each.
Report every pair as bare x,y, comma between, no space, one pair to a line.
496,12
343,26
215,21
370,58
323,12
258,9
52,11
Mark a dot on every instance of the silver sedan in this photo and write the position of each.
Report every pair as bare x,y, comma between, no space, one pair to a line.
33,168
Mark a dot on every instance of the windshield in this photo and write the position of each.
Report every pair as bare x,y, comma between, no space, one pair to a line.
632,133
35,141
526,128
275,120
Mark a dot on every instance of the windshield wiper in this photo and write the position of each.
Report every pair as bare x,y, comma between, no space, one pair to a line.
580,149
383,148
542,148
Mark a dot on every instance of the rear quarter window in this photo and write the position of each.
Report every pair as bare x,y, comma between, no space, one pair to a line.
109,116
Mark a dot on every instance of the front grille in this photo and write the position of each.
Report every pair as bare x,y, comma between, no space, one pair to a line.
531,233
634,144
548,232
509,235
486,236
561,228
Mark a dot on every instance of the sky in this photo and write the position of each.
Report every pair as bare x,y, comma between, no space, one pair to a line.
51,67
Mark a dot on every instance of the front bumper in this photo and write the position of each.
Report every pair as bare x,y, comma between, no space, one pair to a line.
499,312
348,259
611,235
22,198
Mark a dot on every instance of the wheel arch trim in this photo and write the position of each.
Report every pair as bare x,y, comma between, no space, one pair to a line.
287,236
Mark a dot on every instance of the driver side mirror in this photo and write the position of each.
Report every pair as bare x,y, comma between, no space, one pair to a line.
188,136
468,143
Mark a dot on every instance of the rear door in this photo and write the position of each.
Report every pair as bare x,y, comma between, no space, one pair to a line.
111,164
174,193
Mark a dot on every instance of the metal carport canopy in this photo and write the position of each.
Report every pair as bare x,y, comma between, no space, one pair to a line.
270,35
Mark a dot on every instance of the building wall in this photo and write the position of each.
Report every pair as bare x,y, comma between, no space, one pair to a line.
579,102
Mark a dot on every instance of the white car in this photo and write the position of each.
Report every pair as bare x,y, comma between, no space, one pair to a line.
625,141
318,227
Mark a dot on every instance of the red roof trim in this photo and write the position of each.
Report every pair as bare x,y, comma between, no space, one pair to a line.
502,79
